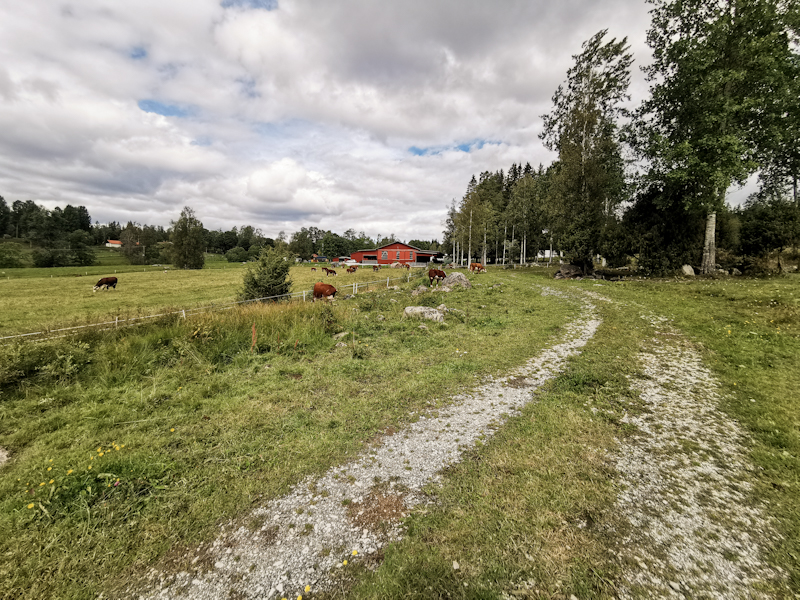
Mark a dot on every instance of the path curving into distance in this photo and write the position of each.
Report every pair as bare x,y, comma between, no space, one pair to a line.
354,510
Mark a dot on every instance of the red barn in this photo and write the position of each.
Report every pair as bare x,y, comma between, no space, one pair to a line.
394,252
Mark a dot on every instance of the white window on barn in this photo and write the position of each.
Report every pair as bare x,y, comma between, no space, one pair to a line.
398,255
411,255
385,255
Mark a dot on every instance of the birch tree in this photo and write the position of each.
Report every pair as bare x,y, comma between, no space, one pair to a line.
588,180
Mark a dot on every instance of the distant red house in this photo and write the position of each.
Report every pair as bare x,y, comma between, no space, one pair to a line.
392,253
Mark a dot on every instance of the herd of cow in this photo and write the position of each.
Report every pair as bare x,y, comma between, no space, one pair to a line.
321,290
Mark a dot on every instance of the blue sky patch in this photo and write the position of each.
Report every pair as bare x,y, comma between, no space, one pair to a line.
255,4
167,110
469,146
137,53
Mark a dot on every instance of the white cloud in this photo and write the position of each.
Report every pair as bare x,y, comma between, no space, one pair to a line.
298,116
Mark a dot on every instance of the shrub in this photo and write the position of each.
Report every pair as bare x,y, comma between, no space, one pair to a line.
269,276
11,256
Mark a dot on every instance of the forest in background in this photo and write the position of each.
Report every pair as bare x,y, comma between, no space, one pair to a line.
65,237
649,183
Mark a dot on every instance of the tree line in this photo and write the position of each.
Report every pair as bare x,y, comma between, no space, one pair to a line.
64,237
651,182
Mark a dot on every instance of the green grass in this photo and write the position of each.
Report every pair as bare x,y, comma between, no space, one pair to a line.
32,302
208,427
530,505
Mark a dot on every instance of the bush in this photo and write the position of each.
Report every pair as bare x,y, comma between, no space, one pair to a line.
269,276
11,256
237,254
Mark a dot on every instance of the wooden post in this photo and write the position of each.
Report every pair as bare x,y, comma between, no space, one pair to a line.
304,295
116,322
184,313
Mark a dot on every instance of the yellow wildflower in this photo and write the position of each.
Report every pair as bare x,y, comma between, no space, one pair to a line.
122,445
30,505
99,449
49,468
90,468
69,472
344,562
41,484
355,552
173,429
51,481
308,589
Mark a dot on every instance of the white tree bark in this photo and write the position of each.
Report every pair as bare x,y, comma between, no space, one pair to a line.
709,245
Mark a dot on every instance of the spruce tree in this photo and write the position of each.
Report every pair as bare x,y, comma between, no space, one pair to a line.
268,276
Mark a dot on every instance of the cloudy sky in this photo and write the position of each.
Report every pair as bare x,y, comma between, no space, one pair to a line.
360,114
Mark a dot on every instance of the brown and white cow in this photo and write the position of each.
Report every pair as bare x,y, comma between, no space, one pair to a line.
106,282
477,268
323,290
436,275
376,268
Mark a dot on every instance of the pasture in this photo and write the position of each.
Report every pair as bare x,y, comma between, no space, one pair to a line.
129,447
52,298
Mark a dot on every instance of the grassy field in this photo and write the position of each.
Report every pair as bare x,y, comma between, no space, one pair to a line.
131,445
53,298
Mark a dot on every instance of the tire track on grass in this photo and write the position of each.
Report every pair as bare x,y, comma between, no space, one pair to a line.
306,537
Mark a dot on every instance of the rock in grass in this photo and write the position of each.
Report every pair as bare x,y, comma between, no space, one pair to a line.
455,279
420,290
423,312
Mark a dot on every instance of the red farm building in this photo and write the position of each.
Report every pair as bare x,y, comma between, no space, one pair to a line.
394,252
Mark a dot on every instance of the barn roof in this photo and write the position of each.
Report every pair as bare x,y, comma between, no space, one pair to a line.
393,244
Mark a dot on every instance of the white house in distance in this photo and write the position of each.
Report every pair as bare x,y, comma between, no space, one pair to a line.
113,244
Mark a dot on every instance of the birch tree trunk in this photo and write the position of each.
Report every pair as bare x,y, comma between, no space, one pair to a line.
709,245
505,240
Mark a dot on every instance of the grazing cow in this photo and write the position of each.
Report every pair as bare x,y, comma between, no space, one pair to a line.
313,269
376,268
330,272
476,268
106,282
351,269
323,290
436,275
407,266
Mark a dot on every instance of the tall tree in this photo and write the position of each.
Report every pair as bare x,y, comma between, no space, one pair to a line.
187,241
5,217
709,89
590,179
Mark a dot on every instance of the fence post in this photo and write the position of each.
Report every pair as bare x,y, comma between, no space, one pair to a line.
184,313
304,295
116,322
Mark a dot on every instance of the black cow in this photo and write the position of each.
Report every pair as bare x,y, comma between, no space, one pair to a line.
106,282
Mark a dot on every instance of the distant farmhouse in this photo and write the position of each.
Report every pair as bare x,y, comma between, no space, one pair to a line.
395,252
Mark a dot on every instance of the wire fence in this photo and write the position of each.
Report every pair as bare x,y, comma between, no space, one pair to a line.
185,313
